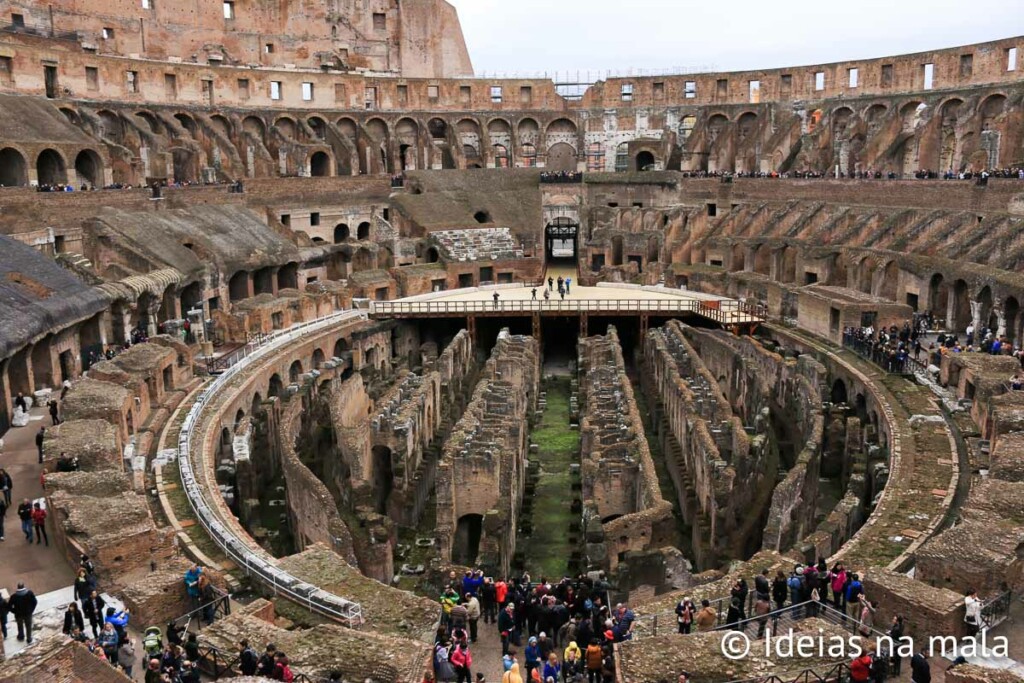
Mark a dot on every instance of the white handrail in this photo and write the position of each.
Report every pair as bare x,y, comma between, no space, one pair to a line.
235,547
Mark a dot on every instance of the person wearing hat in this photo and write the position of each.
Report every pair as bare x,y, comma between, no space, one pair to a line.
796,585
532,656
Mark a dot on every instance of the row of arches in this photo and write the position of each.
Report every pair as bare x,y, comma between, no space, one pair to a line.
51,168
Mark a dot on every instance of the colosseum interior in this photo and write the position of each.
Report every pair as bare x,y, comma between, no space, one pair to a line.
287,272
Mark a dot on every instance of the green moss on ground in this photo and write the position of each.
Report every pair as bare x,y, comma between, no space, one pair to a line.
547,548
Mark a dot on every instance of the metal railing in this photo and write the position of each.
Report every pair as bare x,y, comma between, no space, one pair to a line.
891,360
726,311
216,663
996,610
665,622
253,560
836,673
219,606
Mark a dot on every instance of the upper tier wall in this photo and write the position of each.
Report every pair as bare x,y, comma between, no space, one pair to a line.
99,75
414,38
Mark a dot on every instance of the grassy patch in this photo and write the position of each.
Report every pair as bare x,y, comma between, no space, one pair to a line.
547,548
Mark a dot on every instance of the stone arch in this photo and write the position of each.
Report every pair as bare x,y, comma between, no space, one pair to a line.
155,126
466,544
239,416
254,126
499,128
763,260
888,280
986,315
961,317
288,276
238,286
910,115
528,131
1011,318
222,125
874,115
838,394
746,124
950,109
188,123
89,167
645,161
110,125
841,120
294,370
528,155
716,124
739,252
347,127
340,347
377,129
320,164
286,127
561,126
13,168
501,156
71,115
51,169
432,255
561,157
275,387
362,260
363,231
341,233
437,128
653,249
318,126
991,108
938,296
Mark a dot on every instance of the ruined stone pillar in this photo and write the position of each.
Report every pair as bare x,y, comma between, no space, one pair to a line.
976,317
1001,321
151,316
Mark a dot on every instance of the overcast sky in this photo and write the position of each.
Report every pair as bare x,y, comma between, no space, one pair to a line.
530,36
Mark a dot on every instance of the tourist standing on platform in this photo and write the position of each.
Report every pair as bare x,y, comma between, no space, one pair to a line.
40,436
23,604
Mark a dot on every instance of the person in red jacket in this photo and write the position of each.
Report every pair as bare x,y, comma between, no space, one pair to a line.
860,668
501,592
39,522
462,660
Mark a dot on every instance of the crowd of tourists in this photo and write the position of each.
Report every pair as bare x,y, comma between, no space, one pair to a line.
551,632
561,177
1014,173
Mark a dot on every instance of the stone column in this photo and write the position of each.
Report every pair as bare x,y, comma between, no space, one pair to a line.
152,314
976,317
1001,321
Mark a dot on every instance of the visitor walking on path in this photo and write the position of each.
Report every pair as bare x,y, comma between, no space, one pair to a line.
40,435
25,514
39,522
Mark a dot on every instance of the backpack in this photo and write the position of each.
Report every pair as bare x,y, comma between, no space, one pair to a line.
794,583
248,660
286,674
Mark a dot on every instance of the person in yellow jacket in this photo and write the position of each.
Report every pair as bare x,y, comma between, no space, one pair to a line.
512,675
572,663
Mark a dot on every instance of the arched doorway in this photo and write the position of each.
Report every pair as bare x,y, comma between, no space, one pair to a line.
89,168
318,359
938,296
294,371
320,165
288,276
341,233
275,388
1011,316
466,547
363,231
617,250
50,168
645,161
13,169
961,317
238,286
838,395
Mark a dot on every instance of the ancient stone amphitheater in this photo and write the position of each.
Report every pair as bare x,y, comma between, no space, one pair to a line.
295,269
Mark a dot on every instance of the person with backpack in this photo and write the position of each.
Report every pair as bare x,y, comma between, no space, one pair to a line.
282,671
796,586
443,667
248,660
